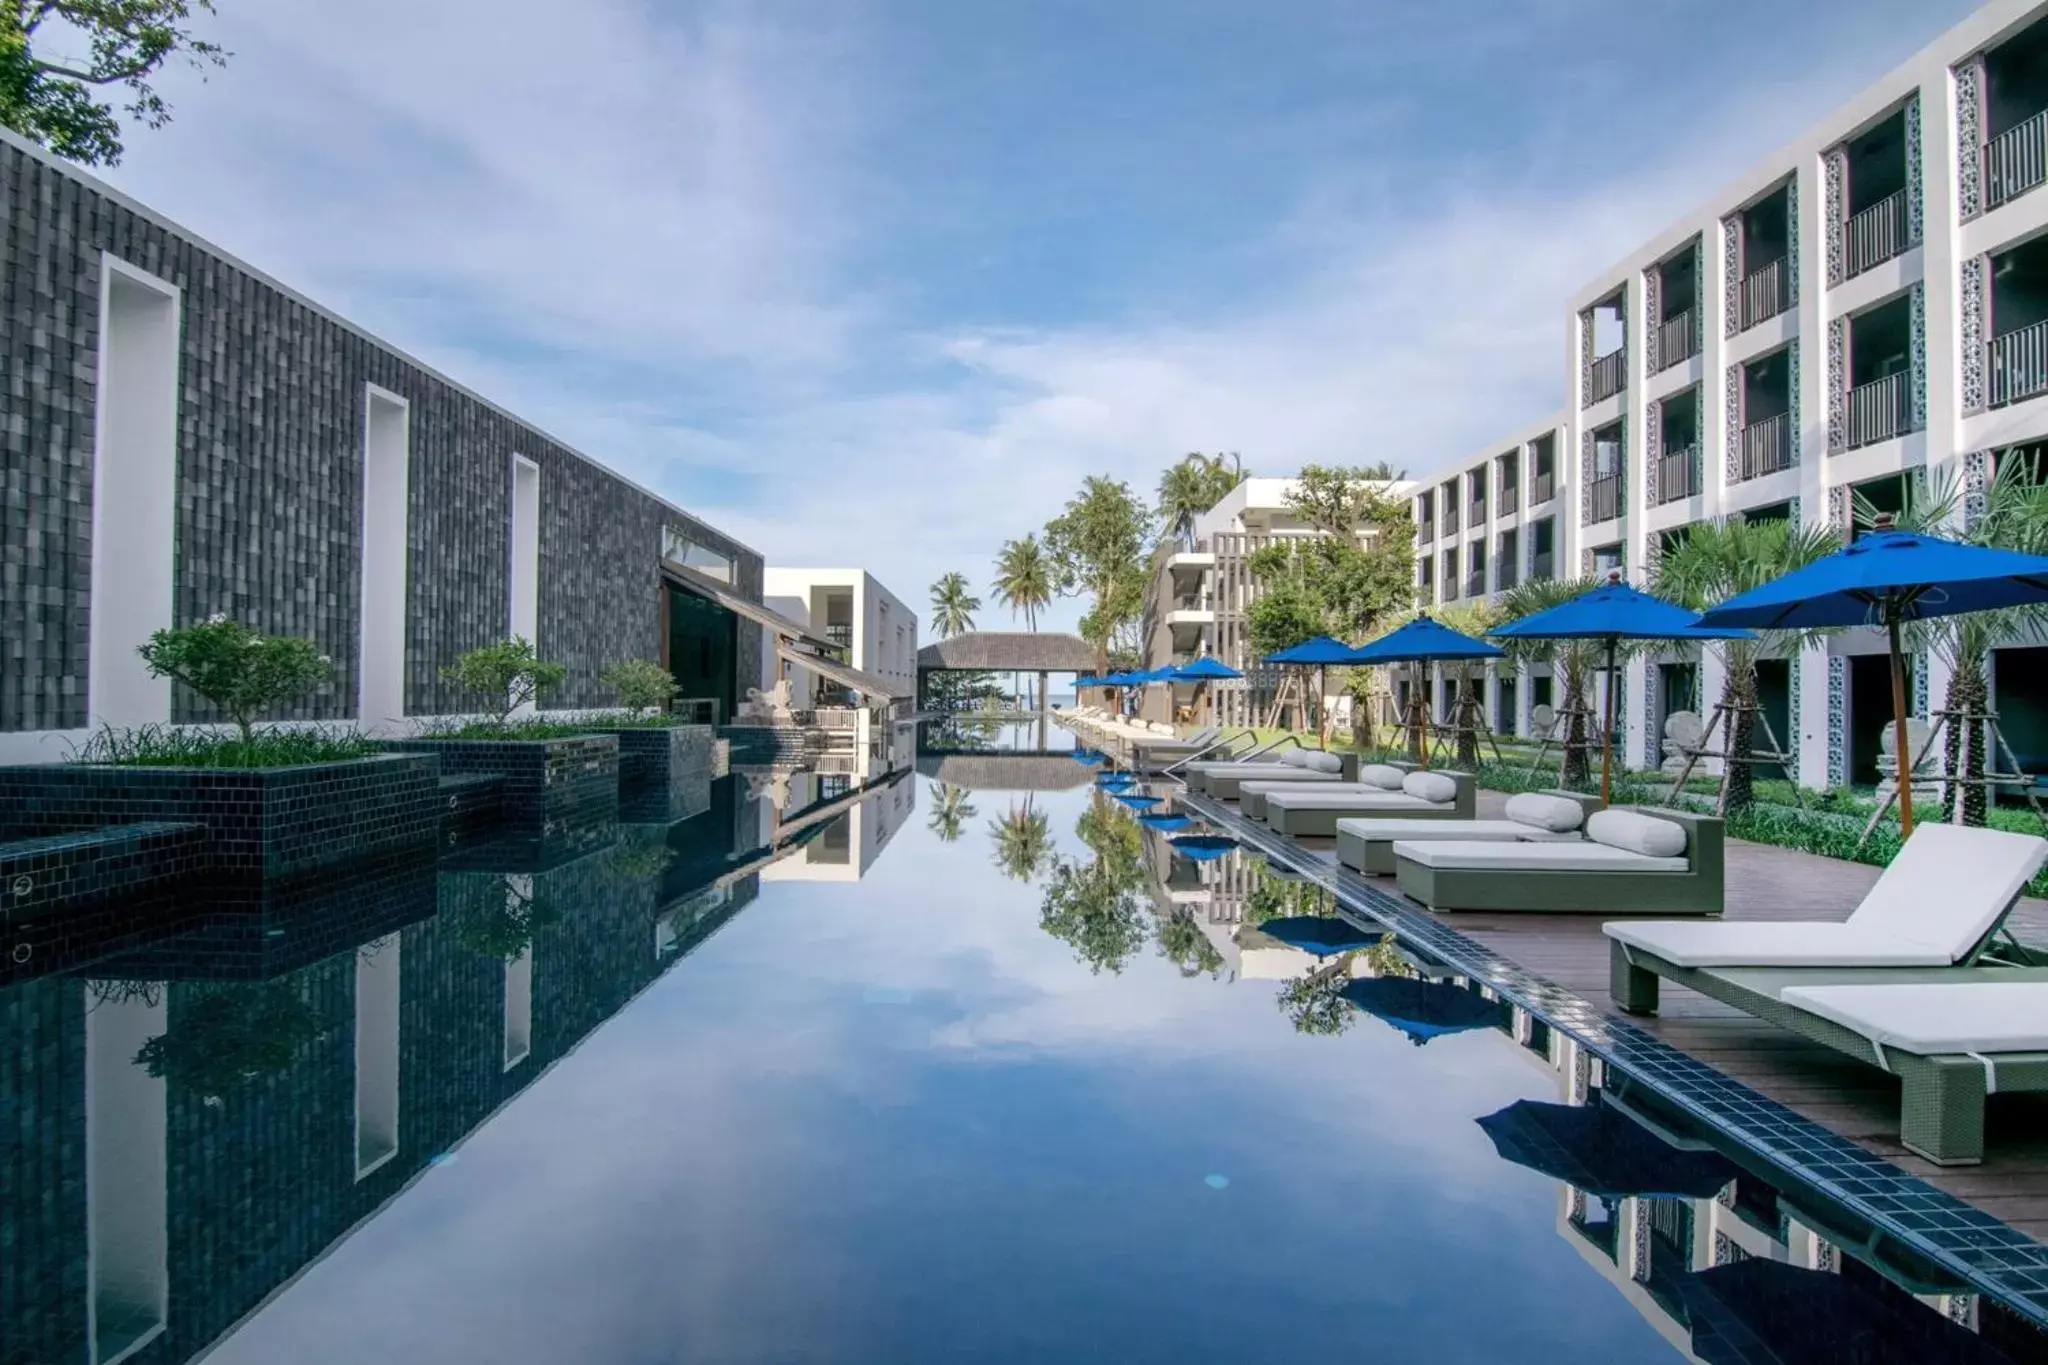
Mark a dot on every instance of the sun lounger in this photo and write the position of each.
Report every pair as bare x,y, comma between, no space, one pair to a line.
1150,755
1371,778
1222,780
1628,863
1366,844
1939,904
1312,810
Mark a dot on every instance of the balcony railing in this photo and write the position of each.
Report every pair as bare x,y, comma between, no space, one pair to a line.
1475,583
1540,565
2016,160
1475,512
1610,371
1543,487
1425,531
1605,491
1677,339
1675,478
840,635
1509,494
1766,292
1876,234
1880,410
1767,446
2019,364
1450,518
1504,569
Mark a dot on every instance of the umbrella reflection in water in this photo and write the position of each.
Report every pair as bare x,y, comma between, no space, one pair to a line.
1425,1009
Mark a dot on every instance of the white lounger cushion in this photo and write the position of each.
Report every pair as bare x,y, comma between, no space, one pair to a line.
1430,787
1556,814
1324,763
1928,1019
1637,833
1502,831
1264,772
1941,895
1382,775
1297,758
1577,856
1342,796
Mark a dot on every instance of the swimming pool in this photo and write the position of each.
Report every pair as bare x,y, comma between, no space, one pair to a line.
966,1074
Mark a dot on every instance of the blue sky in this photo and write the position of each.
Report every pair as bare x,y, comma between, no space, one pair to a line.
878,281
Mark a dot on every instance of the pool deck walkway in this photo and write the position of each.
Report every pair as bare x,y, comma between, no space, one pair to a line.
1851,1099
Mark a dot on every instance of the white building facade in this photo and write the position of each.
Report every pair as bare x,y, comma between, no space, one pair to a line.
1866,306
848,608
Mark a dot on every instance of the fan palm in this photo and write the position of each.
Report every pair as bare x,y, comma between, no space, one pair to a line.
1024,579
2015,517
1192,487
1572,662
1713,561
1023,838
953,607
950,812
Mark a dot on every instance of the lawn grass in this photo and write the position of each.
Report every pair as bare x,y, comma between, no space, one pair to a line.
166,746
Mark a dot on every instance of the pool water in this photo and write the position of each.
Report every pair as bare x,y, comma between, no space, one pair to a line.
968,1076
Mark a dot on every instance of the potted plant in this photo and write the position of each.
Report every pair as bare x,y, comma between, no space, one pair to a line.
275,800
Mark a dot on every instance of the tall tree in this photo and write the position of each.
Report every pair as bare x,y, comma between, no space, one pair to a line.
1193,486
2014,517
1572,662
1094,907
1097,548
1714,561
1023,839
58,100
951,810
1024,579
953,607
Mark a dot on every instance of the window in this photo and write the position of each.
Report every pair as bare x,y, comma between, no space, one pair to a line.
678,548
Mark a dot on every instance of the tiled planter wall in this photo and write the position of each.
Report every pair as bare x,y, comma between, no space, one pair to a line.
273,824
664,774
558,795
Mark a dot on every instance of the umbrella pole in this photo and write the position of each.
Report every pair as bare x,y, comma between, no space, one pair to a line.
1428,708
1905,771
1607,734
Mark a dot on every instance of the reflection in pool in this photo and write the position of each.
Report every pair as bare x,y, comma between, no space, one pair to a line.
1010,1083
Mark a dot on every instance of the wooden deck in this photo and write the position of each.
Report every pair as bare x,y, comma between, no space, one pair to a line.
1854,1100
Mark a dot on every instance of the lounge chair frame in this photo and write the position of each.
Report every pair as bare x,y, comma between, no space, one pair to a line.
1375,857
1322,822
1695,891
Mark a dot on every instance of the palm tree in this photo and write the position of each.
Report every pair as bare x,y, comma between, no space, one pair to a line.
953,607
1024,579
1572,662
950,812
1192,487
1468,618
1714,561
2015,517
1023,838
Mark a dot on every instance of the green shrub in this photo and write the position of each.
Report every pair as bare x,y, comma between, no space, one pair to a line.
242,671
641,685
165,746
506,675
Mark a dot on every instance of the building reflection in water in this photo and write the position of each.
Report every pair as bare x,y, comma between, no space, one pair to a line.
193,1121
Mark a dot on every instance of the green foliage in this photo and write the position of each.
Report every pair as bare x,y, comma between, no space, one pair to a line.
953,606
1182,942
1315,1003
951,810
960,690
1097,548
1345,583
241,671
641,684
1023,840
164,746
528,729
1094,907
56,101
227,1036
1024,579
506,675
1281,897
503,926
1193,486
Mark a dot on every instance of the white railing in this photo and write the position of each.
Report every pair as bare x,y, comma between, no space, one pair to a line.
1605,494
1675,474
1876,234
1765,293
1543,487
2016,160
2019,364
1677,339
1767,446
1879,410
1610,371
1509,493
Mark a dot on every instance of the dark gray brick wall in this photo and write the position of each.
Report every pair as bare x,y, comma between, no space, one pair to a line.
270,476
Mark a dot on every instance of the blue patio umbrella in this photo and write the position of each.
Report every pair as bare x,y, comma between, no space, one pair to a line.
1138,801
1318,934
1613,612
1318,652
1425,1009
1423,641
1168,821
1202,848
1597,1148
1759,1311
1116,781
1090,758
1201,673
1884,579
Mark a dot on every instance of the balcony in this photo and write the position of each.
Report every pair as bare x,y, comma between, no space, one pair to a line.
1504,571
1475,583
1880,410
1450,518
1678,339
1425,531
1766,292
1876,234
840,634
1605,492
1610,372
1543,487
1540,565
2019,365
1676,476
1509,496
1767,446
1475,512
2015,161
